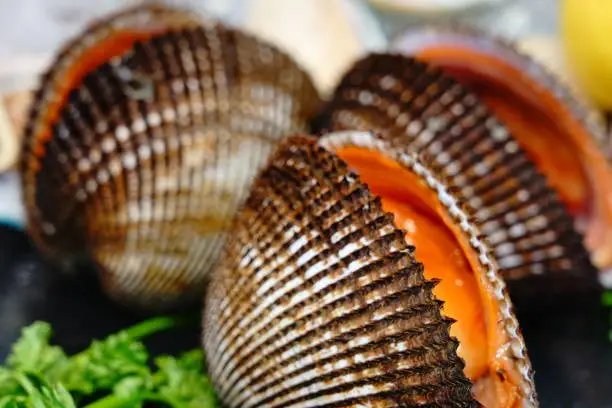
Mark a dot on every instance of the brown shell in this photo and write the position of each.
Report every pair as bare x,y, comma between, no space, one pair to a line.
416,107
414,40
589,137
318,300
155,151
53,82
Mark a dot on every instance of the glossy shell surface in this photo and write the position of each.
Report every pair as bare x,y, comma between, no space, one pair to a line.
52,92
319,301
152,154
416,107
415,40
585,132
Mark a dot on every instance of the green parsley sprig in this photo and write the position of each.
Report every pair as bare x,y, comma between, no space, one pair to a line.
115,371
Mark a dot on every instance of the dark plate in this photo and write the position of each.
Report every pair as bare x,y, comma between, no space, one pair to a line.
568,347
31,290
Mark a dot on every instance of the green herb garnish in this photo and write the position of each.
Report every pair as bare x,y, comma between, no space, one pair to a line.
115,371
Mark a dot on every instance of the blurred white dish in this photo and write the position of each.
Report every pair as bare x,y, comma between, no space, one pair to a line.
431,6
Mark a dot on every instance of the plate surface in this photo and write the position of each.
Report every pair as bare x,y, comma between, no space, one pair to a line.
569,347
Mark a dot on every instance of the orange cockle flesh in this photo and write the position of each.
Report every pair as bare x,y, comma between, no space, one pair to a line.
532,115
560,145
101,52
418,211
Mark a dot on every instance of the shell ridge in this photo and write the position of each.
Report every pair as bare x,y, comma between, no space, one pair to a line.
292,152
380,379
396,297
408,335
168,156
439,143
322,215
292,291
536,71
301,252
42,96
462,214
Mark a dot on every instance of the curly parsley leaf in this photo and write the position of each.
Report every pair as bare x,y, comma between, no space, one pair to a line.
183,379
32,352
9,385
105,363
39,375
42,394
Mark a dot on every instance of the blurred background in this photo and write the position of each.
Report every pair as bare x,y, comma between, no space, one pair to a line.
325,36
32,29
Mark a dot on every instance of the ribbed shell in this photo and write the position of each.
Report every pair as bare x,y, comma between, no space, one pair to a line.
434,177
155,151
138,18
416,107
318,300
415,40
53,85
594,146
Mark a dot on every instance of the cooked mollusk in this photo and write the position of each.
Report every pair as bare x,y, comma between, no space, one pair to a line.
415,106
319,300
152,153
555,129
109,37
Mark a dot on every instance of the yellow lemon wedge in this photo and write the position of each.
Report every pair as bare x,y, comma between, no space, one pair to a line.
586,32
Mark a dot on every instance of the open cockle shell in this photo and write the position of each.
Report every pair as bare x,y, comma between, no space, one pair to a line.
412,42
318,299
524,94
75,59
154,151
103,39
415,107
